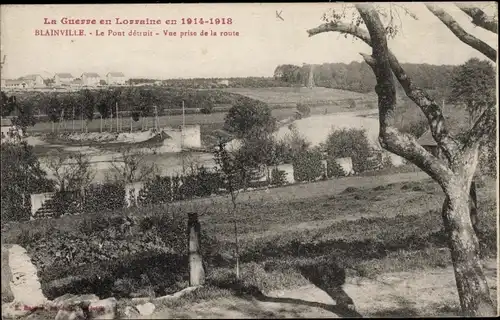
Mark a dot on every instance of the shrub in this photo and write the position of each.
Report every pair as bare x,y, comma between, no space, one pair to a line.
66,202
304,110
307,166
352,103
351,143
205,110
334,169
104,197
278,177
156,191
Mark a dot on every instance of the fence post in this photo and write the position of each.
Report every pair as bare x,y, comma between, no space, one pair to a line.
196,271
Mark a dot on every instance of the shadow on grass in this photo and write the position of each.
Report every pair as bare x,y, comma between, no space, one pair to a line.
404,310
326,275
363,249
121,277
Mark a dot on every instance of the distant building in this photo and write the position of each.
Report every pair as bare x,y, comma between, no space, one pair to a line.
113,78
427,141
33,80
90,79
12,84
61,79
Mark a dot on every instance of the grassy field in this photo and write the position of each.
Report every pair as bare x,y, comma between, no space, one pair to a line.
368,225
294,95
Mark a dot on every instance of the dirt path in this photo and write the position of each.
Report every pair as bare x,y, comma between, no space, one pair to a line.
404,294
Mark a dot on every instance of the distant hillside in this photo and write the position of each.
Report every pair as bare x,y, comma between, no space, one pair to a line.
358,77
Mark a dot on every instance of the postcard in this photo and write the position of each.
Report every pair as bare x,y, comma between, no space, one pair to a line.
249,160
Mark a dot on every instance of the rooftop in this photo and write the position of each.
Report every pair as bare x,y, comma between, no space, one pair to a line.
30,77
116,74
64,75
90,74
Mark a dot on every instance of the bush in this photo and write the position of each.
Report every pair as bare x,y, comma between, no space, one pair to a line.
104,248
278,177
307,166
205,110
334,169
351,143
163,190
304,110
156,191
352,103
104,197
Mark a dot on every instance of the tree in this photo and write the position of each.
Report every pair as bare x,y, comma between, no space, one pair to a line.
72,172
105,103
7,104
21,175
249,118
131,166
454,171
291,145
89,104
25,114
286,73
54,108
351,143
234,174
473,84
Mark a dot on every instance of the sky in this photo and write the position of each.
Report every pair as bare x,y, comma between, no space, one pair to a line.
264,40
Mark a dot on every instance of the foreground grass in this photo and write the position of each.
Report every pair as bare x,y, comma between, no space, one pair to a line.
360,231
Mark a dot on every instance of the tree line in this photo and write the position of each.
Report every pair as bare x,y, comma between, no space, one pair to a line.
83,104
358,76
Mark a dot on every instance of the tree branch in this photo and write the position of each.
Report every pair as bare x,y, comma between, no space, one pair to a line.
342,28
429,107
479,18
461,34
480,129
389,137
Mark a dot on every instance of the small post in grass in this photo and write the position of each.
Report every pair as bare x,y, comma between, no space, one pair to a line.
196,271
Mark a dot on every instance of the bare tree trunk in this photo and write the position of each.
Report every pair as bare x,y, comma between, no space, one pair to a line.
472,288
454,175
196,270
